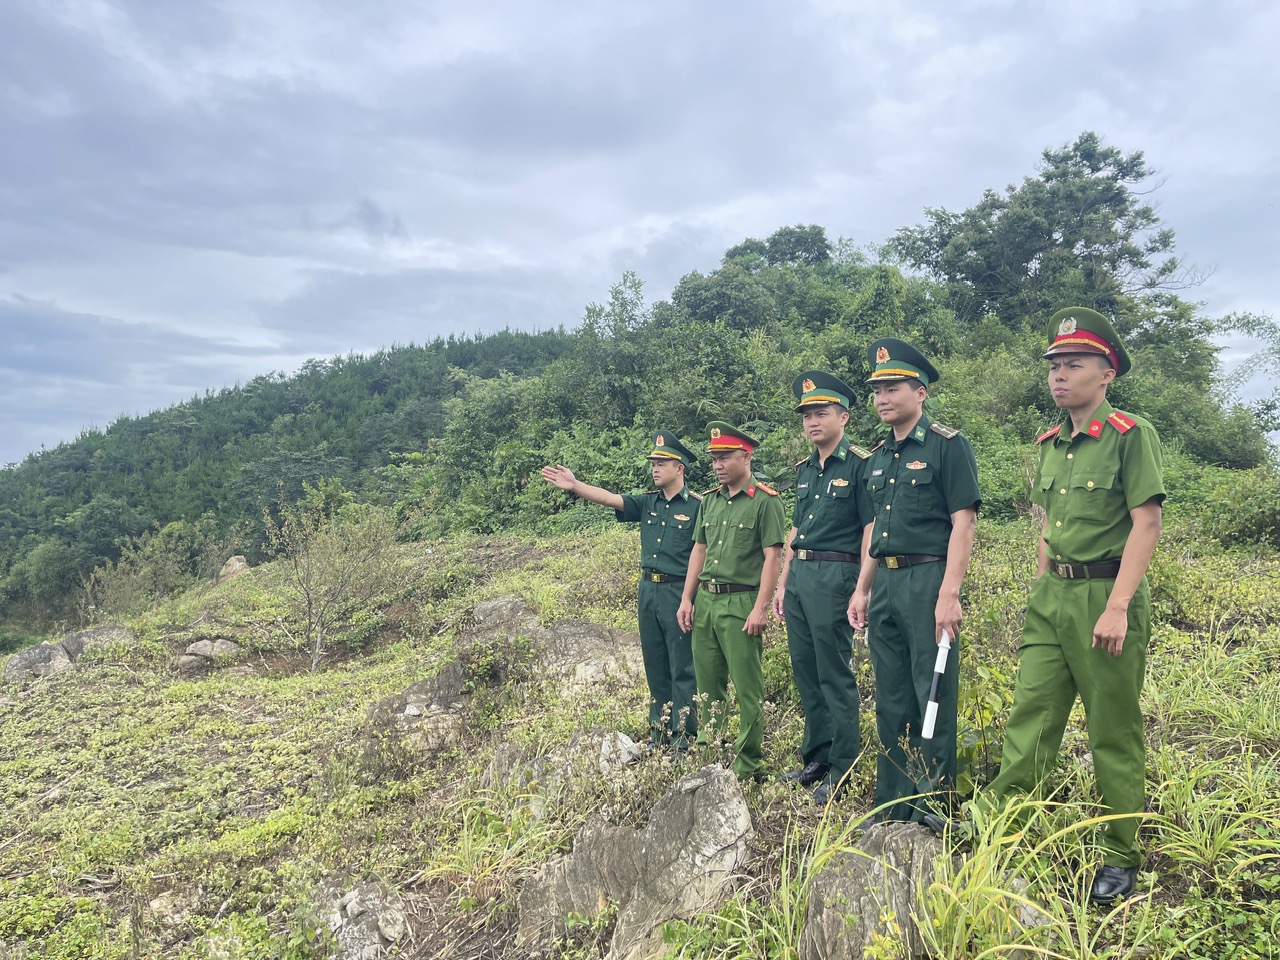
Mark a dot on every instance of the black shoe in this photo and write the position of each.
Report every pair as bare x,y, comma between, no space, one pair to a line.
808,776
827,792
1112,884
958,831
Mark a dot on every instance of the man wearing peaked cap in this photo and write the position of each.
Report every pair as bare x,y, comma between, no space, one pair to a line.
666,517
1089,611
734,565
820,570
922,482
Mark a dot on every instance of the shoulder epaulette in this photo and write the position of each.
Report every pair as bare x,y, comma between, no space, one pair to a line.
708,493
1049,434
862,453
766,488
801,463
696,496
655,490
877,446
943,430
1121,421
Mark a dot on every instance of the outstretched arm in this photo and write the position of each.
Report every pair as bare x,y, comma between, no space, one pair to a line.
563,478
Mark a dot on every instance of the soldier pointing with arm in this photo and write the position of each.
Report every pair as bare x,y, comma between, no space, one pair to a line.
666,517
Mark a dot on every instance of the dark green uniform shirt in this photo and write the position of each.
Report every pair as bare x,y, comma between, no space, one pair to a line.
1088,484
831,501
736,530
915,485
666,528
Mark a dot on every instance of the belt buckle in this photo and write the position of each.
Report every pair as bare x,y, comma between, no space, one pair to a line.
891,563
1066,571
655,578
802,554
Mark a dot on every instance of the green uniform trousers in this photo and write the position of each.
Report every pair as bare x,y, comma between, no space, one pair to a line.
723,652
821,644
903,652
668,663
1056,662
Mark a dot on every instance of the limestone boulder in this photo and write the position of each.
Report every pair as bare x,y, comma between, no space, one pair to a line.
681,863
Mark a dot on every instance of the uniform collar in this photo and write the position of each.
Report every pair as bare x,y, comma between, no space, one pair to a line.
918,433
1092,429
751,488
841,453
683,494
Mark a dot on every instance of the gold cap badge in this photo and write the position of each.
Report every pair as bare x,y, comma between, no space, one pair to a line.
882,355
1067,327
715,433
659,441
809,385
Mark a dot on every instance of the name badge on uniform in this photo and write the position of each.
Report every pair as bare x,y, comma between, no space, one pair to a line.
876,473
801,486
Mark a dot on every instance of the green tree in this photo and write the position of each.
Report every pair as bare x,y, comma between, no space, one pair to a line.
338,556
1078,233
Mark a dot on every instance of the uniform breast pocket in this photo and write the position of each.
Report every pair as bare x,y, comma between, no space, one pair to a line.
921,484
741,532
1094,496
840,489
878,490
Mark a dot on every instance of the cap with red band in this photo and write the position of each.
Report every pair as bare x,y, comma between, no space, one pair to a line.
1081,330
725,436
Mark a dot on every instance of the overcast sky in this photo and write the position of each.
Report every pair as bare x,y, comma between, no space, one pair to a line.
195,193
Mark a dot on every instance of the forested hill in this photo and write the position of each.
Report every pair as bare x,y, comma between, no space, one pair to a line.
452,431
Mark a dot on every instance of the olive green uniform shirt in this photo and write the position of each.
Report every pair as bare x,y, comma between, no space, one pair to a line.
736,530
915,485
1088,484
831,501
666,528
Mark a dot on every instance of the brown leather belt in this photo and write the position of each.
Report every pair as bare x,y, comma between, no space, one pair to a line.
826,555
727,587
1106,570
654,577
908,560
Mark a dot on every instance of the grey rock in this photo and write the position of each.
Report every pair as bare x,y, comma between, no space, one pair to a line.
366,920
849,899
233,567
42,660
84,640
192,664
219,649
680,864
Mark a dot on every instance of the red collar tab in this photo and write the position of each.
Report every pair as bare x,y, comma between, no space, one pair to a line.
751,490
1095,428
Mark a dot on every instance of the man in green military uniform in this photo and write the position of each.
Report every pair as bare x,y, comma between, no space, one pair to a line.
922,481
1089,611
733,569
820,570
666,516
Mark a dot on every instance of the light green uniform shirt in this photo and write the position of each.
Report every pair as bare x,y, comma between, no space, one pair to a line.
736,530
1088,484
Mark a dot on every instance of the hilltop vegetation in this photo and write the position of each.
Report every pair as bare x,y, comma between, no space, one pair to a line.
452,431
150,814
